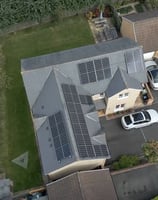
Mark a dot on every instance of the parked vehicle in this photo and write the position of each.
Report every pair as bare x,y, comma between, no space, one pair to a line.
139,119
152,73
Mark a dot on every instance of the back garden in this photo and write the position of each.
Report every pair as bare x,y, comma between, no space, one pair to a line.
17,134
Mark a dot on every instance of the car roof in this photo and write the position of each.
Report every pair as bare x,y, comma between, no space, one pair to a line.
150,63
139,116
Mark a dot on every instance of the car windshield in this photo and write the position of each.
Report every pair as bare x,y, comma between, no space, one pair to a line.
147,116
128,120
154,74
138,117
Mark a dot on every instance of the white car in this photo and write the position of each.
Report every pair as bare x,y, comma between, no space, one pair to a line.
139,119
152,73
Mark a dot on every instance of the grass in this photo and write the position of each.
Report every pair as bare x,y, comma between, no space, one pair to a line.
18,134
125,10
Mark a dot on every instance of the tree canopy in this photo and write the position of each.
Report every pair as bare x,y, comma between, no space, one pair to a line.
15,11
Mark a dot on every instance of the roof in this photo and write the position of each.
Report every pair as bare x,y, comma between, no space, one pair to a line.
142,27
142,16
87,185
139,183
77,54
64,115
125,81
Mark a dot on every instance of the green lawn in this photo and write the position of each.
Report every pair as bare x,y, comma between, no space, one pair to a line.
17,135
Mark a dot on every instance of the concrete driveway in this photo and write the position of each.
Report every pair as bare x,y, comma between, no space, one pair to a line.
122,141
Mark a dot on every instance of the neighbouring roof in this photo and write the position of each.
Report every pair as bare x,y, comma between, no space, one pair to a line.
87,185
139,183
5,189
143,28
142,16
124,81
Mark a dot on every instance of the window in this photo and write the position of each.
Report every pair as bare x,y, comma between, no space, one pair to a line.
120,96
123,95
119,107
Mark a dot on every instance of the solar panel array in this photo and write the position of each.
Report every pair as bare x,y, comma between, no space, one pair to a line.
110,33
85,99
60,138
80,130
134,61
95,70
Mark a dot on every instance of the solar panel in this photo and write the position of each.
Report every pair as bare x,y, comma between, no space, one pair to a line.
101,150
107,73
138,60
78,124
100,75
82,68
129,57
89,100
98,64
83,99
92,77
59,134
84,78
105,63
94,70
90,66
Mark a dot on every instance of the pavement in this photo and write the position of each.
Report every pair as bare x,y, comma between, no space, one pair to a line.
123,142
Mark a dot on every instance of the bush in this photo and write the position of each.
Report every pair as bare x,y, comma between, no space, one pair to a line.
126,161
139,8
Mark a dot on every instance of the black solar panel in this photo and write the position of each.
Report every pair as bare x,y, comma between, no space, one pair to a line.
129,57
93,70
138,60
90,66
98,64
84,78
100,75
92,77
107,73
82,68
101,150
79,125
59,134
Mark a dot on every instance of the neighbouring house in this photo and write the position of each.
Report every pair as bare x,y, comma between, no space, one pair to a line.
142,28
6,189
87,185
61,87
137,183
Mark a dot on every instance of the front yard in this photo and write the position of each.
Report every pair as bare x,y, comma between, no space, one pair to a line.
17,134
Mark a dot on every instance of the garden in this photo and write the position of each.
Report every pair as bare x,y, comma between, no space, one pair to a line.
17,134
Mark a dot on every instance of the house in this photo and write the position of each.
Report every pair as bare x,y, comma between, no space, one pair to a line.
60,88
142,28
87,185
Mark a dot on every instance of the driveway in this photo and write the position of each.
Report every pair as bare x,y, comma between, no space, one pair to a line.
122,141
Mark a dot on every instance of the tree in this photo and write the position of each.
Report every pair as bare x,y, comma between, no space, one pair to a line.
150,150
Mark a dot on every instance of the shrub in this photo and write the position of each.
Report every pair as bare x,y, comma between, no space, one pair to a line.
126,161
